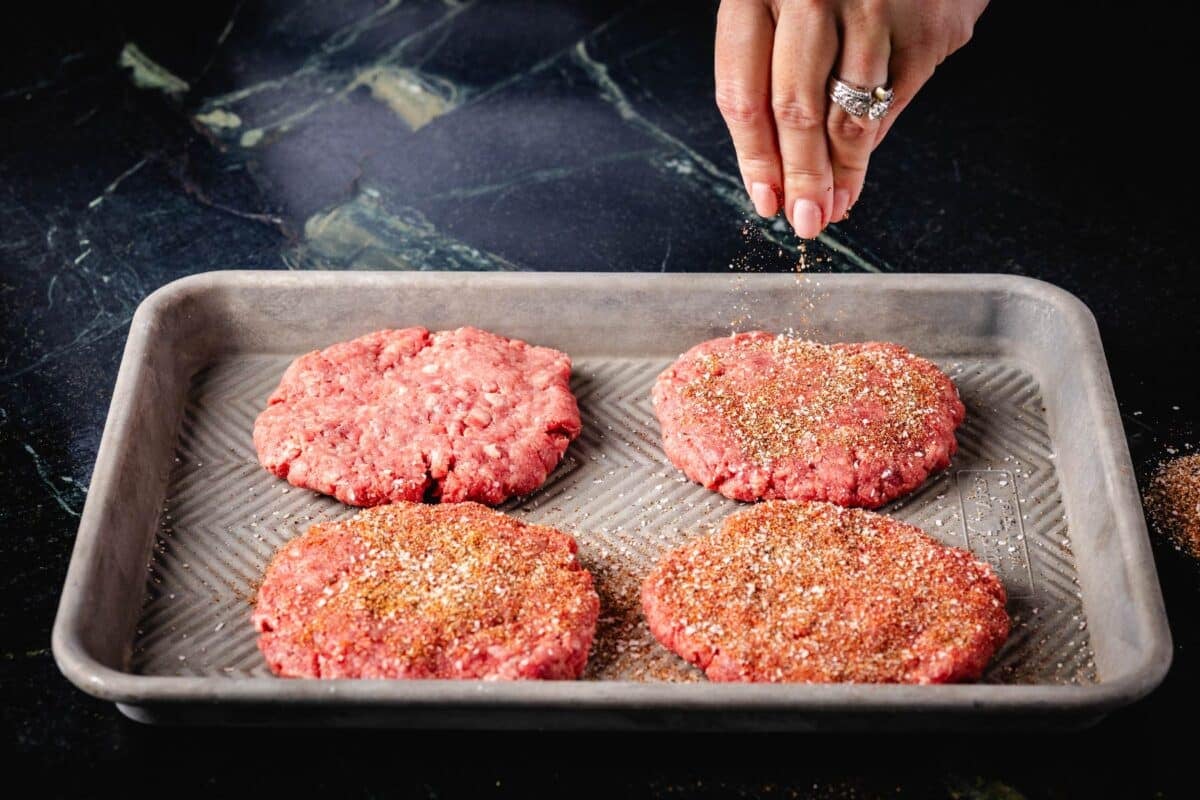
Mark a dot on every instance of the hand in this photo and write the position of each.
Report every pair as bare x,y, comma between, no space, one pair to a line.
774,59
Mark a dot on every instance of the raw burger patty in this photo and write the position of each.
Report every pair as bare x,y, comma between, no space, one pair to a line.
757,416
816,593
413,415
419,591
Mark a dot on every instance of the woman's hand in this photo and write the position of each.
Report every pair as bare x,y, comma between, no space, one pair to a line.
774,61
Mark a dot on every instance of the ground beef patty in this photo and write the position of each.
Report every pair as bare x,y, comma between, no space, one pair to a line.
413,415
417,591
816,593
757,416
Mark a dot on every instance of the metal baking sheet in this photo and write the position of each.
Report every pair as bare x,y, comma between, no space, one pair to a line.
186,520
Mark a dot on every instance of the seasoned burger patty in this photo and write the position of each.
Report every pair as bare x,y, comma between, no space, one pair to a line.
757,416
413,415
419,591
813,592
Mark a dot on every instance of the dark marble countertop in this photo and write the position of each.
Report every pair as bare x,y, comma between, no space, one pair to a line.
142,145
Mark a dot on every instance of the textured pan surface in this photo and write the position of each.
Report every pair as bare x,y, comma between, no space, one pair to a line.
224,516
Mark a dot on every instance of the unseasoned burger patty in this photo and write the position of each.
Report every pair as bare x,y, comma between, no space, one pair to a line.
419,591
758,416
413,415
813,592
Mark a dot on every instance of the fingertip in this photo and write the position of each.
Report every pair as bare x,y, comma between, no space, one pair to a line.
765,199
806,218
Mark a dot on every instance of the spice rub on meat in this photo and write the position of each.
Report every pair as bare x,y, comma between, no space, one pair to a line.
817,593
420,591
413,415
759,416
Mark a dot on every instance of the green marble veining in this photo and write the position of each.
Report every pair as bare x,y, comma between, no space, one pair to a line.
219,119
414,98
148,74
365,233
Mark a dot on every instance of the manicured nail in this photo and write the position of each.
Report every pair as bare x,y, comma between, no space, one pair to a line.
841,204
806,219
763,197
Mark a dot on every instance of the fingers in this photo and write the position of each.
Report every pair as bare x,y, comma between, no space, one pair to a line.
910,70
805,49
745,31
793,145
862,62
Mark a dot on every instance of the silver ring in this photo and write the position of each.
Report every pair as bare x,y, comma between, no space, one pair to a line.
855,100
858,101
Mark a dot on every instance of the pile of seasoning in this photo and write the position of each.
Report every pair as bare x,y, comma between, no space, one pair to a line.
1173,502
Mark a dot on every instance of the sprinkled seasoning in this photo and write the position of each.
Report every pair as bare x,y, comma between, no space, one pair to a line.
805,394
624,648
766,250
812,592
757,415
1173,501
412,591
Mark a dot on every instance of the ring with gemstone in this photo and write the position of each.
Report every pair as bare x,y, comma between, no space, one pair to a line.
858,101
881,102
855,100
